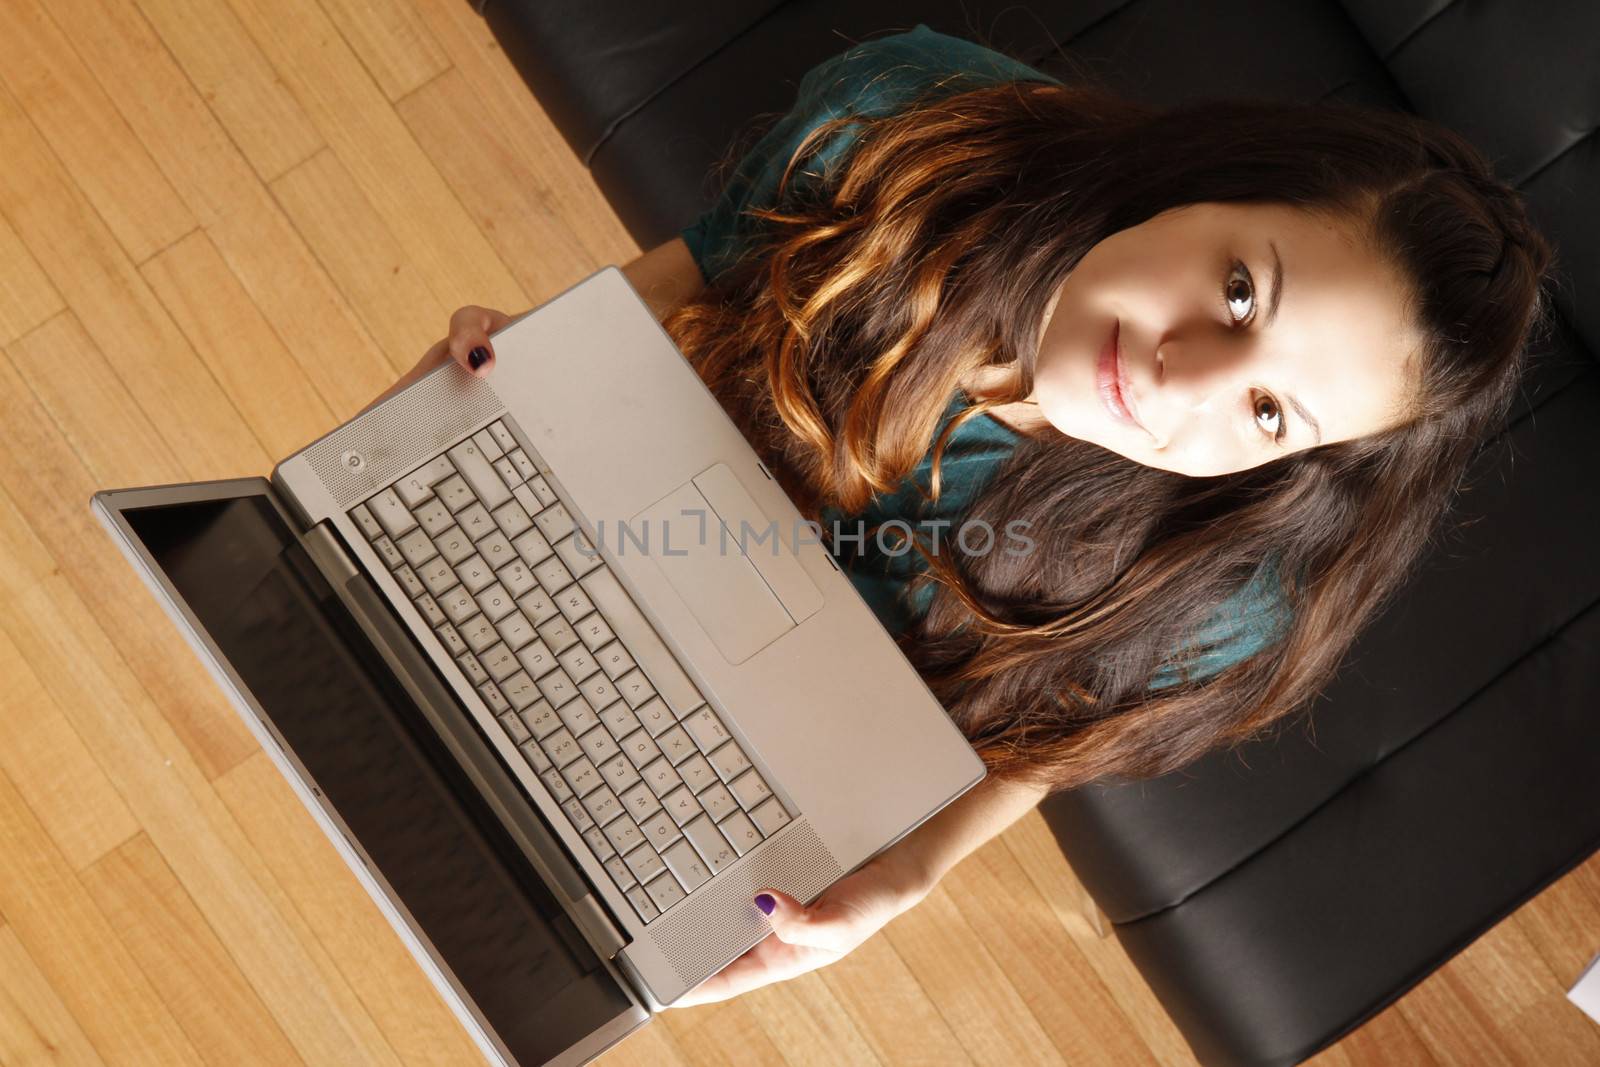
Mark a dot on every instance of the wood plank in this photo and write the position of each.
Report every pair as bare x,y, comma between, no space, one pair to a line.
116,307
808,1025
505,193
27,298
724,1034
46,477
35,1027
254,106
264,251
1386,1038
890,1009
340,915
69,108
651,1045
190,968
368,264
1012,919
967,985
293,974
397,51
53,769
237,345
1034,847
358,123
76,950
567,187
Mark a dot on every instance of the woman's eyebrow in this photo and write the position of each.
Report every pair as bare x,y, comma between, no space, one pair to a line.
1300,410
1277,291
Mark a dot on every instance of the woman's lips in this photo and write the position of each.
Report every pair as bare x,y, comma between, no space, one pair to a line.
1110,379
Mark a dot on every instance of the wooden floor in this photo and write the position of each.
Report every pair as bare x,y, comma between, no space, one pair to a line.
224,226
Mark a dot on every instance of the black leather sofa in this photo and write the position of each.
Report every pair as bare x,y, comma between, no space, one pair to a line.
1278,896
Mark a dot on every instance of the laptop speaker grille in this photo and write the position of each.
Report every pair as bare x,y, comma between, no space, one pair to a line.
398,436
706,934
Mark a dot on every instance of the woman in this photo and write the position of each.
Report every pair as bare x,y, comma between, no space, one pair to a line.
1225,365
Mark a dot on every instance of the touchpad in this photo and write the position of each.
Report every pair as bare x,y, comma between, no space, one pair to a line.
733,566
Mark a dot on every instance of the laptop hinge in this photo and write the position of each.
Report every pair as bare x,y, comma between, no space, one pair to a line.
413,671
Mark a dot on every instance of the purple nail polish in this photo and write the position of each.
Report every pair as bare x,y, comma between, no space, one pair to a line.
765,902
477,357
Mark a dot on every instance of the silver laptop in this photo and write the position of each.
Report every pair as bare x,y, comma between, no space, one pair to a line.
559,669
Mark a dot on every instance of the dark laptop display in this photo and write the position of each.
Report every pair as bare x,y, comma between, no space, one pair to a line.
508,942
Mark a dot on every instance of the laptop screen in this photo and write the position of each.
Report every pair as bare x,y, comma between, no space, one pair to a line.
281,627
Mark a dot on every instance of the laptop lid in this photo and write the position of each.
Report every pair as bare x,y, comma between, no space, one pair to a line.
226,561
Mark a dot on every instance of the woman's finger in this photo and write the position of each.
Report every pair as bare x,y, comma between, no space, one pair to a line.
468,343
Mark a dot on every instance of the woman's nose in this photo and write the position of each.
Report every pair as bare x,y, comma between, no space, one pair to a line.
1193,378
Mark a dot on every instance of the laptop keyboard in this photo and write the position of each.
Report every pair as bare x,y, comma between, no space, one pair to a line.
575,674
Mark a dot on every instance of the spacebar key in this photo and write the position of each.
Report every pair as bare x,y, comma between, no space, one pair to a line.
640,639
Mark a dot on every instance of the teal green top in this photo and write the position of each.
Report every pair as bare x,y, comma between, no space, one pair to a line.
872,79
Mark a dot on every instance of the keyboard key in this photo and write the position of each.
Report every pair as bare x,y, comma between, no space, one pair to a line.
392,515
494,698
474,467
515,728
553,522
430,610
542,490
683,861
718,802
599,689
454,492
642,903
558,634
730,761
557,687
561,747
696,772
524,496
619,773
635,688
704,726
659,830
661,777
770,817
517,578
618,870
624,833
599,744
418,485
709,842
496,550
574,604
750,789
502,436
507,471
496,602
675,745
595,634
640,639
578,553
479,633
551,777
536,658
454,545
577,813
740,832
655,716
434,516
516,630
681,805
640,749
458,605
437,575
578,663
538,606
523,464
417,547
532,547
408,581
665,891
644,862
541,719
491,448
617,716
475,521
520,690
368,524
472,668
578,717
475,574
451,639
640,800
512,519
581,775
603,805
596,839
535,756
499,662
390,554
553,574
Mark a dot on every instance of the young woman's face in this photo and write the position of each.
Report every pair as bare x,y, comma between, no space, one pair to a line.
1224,362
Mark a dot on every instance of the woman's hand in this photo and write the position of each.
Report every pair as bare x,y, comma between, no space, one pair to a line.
467,343
804,938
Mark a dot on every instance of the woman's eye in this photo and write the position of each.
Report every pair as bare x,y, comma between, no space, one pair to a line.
1274,413
1240,289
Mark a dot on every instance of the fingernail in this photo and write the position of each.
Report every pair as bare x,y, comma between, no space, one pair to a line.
765,902
477,357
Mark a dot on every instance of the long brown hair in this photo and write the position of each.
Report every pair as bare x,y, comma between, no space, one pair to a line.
934,248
